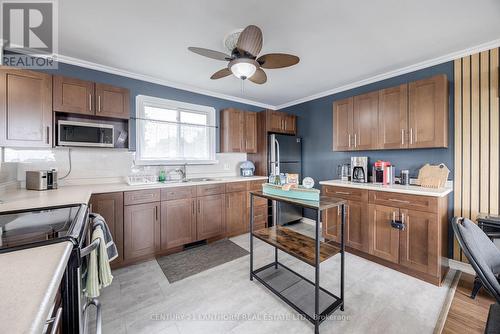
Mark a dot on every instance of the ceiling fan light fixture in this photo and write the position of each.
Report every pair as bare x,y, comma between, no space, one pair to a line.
243,68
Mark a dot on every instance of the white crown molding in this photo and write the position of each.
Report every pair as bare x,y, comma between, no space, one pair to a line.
428,63
147,78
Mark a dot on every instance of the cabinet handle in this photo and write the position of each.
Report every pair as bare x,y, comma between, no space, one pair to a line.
402,217
349,140
342,192
393,216
198,206
355,140
192,202
411,136
156,212
399,201
99,103
227,202
402,136
90,102
48,134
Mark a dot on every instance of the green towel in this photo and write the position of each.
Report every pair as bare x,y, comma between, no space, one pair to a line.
99,272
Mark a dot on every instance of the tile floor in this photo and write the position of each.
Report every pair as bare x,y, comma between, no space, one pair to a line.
224,300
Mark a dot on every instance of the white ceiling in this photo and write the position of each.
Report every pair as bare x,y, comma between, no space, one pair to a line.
339,42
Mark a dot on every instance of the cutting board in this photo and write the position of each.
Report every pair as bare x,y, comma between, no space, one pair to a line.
433,176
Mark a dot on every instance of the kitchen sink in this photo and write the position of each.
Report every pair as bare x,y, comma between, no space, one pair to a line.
201,179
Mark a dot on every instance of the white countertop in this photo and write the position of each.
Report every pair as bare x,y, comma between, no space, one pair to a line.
20,199
29,282
396,188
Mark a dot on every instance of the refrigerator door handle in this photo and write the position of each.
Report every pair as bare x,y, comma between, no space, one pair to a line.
277,156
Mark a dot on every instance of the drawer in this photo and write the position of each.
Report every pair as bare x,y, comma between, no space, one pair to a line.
169,194
211,189
141,196
404,201
256,185
236,186
346,193
257,201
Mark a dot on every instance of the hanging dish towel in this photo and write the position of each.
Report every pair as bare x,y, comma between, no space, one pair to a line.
110,244
99,272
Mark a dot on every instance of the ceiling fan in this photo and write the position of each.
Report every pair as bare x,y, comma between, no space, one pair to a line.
243,61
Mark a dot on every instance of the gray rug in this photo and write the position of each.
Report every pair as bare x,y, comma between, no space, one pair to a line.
193,261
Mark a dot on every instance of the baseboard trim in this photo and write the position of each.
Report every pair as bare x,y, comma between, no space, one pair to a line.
438,329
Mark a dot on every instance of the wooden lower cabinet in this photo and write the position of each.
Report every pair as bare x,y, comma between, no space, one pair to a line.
178,223
110,207
141,230
236,217
331,224
210,217
357,226
419,247
384,238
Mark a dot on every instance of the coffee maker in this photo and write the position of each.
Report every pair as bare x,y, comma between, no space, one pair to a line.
359,169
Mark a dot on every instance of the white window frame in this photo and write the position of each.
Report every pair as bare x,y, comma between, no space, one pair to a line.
144,100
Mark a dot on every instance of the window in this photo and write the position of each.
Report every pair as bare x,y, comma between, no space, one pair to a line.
173,132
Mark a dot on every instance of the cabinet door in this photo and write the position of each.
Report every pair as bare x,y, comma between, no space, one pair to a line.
210,218
275,121
232,130
331,220
384,238
110,207
393,118
342,124
25,108
365,117
236,217
178,223
250,132
73,95
112,101
419,248
290,125
357,226
141,230
428,113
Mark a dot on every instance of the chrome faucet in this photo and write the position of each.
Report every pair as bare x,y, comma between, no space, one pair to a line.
182,171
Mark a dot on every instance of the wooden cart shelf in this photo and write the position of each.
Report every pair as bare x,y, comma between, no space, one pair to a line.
295,244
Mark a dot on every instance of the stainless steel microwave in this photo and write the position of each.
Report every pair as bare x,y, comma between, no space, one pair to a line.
73,133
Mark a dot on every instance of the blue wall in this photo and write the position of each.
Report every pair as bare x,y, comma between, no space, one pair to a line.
138,87
315,126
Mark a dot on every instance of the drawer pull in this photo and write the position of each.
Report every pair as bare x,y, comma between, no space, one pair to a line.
399,201
343,192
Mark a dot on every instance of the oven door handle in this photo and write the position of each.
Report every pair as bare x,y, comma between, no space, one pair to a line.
97,304
93,245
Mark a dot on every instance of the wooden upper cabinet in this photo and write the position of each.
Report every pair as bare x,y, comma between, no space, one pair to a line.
178,223
393,118
88,98
112,101
210,216
25,108
110,207
384,239
342,124
365,118
238,131
250,132
73,95
281,122
419,247
428,112
141,230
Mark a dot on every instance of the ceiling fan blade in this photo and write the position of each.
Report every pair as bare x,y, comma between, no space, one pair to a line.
221,74
250,40
210,53
277,60
259,77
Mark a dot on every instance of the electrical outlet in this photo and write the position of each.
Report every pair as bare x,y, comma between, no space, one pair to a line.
227,166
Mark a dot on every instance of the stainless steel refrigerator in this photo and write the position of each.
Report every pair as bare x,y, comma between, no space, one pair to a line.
285,156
